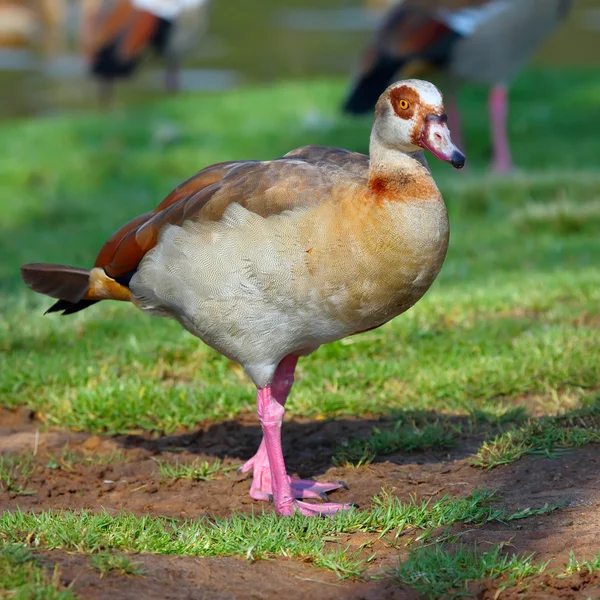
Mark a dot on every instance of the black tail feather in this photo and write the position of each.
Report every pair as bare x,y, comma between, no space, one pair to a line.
67,284
109,62
68,308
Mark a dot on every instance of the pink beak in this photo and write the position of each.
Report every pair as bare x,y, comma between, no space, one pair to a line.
435,136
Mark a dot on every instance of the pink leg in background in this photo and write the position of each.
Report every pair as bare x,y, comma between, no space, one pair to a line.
498,108
270,413
262,487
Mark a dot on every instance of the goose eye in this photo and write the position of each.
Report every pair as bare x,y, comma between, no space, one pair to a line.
403,104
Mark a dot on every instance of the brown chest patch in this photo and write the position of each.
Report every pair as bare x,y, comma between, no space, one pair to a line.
403,187
390,189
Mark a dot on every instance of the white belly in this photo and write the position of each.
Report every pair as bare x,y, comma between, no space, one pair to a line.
231,284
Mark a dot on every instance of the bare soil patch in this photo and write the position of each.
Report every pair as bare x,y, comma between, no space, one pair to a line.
134,484
178,578
578,586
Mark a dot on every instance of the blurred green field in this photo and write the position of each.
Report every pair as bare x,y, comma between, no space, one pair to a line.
515,310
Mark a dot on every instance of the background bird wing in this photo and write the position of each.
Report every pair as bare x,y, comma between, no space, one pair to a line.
117,24
414,34
413,26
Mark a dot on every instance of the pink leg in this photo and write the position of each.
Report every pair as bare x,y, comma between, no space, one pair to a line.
261,488
270,413
498,107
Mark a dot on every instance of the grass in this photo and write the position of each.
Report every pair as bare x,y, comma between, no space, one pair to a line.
576,566
14,467
22,578
437,572
256,536
357,452
546,436
515,310
198,470
106,562
440,572
563,216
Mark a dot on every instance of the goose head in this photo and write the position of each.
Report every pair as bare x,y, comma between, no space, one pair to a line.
410,116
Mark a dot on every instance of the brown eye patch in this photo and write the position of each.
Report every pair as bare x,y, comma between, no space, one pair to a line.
404,99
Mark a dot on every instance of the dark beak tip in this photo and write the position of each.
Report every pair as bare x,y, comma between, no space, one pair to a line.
457,160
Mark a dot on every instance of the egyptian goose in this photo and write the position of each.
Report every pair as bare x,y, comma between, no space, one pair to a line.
266,261
18,23
25,23
116,34
485,41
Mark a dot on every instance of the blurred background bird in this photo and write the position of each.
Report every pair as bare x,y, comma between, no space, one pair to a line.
32,23
485,41
115,35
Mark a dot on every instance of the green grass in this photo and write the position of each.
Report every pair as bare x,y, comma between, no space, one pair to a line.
256,536
106,562
443,572
547,436
21,577
437,572
515,310
198,470
563,216
576,566
15,467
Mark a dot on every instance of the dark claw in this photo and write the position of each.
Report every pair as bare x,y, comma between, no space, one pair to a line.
239,470
354,505
324,496
271,498
344,485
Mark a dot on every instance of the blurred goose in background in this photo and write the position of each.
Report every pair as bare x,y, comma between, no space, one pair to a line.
18,24
266,261
32,23
485,41
116,34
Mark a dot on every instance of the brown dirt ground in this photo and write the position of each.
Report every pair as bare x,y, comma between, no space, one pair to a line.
135,485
